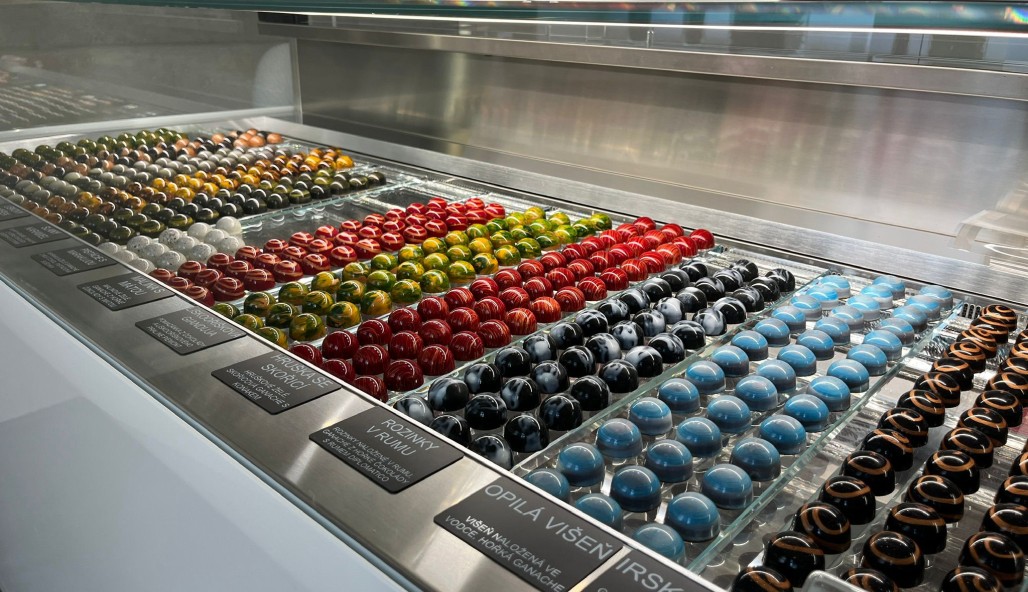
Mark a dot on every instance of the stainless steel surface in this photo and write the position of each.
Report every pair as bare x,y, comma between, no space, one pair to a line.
897,167
581,49
395,529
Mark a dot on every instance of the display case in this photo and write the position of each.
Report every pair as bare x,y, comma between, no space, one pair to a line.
562,296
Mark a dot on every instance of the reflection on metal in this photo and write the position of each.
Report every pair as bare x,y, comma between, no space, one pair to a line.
1000,233
836,67
895,167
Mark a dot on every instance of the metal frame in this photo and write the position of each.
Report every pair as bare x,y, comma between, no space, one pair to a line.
935,79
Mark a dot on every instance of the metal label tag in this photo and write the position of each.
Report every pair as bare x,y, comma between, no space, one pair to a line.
636,571
9,211
125,291
392,451
531,536
32,234
276,381
72,260
190,330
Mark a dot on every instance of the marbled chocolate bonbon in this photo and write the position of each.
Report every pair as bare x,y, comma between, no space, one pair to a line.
825,524
870,580
1010,520
895,555
920,523
873,469
972,443
909,422
969,579
996,554
760,578
938,493
852,496
795,555
892,445
986,421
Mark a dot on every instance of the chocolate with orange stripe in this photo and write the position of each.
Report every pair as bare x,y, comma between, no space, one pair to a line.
970,579
958,369
972,443
1004,403
1010,520
955,466
869,579
996,554
852,496
909,422
986,421
919,522
991,330
1000,315
1013,490
760,578
825,524
897,556
938,493
941,385
795,555
871,468
927,403
1010,382
892,445
970,352
982,338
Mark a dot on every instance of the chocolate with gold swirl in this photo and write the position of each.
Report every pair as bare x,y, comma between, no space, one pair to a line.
824,523
996,554
1015,366
794,555
760,578
871,468
986,421
920,523
869,579
852,496
927,403
1000,315
1008,519
1020,350
941,385
1004,403
892,445
909,422
955,466
939,494
997,333
1013,490
1022,337
982,338
970,579
958,369
970,352
895,555
972,443
1010,382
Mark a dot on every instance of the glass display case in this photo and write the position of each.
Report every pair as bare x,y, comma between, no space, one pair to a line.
556,296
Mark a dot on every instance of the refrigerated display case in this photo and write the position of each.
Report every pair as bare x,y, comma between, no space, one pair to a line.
564,296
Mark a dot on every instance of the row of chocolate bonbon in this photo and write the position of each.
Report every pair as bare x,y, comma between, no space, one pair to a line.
112,189
734,433
462,324
942,493
343,296
551,382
